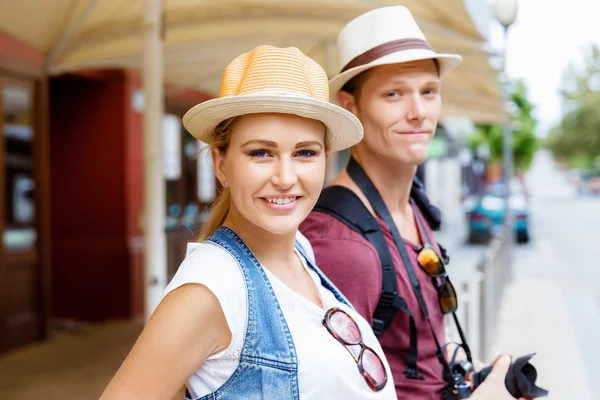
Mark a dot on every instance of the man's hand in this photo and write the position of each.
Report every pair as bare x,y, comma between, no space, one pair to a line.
494,388
478,365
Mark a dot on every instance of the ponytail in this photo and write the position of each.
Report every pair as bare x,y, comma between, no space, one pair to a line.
220,207
217,215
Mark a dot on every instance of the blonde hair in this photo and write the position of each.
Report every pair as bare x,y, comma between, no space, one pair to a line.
220,207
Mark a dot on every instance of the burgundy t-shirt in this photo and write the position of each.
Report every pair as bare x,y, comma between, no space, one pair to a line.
352,263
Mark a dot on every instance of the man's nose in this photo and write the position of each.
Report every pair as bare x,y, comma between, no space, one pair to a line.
416,111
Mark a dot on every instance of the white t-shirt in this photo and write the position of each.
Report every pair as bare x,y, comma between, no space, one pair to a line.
326,368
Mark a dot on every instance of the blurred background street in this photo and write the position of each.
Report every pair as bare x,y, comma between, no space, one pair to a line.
553,306
561,259
101,187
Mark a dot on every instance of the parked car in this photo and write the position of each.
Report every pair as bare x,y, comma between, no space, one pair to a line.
595,185
485,215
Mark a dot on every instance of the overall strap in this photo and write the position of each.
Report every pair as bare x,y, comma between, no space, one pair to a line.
268,340
324,280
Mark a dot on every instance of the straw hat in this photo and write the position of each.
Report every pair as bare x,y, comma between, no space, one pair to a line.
275,80
387,35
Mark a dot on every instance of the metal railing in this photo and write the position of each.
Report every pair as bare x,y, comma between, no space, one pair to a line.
495,272
480,297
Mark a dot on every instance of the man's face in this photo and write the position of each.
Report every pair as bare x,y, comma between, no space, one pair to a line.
399,106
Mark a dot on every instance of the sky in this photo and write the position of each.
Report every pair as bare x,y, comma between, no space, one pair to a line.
546,36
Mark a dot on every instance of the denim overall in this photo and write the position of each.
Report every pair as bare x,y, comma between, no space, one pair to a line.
268,366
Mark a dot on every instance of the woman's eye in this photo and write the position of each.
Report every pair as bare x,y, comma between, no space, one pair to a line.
307,153
259,153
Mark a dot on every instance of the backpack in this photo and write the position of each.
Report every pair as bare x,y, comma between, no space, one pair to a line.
344,205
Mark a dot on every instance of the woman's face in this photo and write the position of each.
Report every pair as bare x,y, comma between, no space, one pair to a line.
275,169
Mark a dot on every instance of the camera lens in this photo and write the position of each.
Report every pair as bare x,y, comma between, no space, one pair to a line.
520,379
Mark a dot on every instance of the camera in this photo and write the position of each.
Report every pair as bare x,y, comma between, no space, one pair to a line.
520,380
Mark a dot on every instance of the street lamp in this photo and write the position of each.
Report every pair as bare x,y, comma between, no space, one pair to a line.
505,12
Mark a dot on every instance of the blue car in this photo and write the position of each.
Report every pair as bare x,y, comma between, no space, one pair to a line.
485,216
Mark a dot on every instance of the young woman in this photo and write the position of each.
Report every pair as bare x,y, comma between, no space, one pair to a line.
248,315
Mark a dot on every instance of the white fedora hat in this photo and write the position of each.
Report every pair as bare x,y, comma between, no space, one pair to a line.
275,80
387,35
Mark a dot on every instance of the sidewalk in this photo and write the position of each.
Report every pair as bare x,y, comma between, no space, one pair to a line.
70,365
543,327
534,318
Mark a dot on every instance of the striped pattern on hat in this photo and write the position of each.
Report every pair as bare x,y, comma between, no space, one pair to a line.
274,80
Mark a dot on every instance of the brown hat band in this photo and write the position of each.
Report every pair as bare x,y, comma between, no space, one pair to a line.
385,49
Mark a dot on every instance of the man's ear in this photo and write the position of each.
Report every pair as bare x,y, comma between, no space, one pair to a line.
347,101
218,161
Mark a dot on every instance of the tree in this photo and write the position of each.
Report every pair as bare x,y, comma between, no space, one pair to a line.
524,127
576,138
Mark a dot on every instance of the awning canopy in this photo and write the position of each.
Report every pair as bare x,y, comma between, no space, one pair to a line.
202,36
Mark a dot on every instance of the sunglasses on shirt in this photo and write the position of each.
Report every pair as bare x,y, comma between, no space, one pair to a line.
343,327
433,265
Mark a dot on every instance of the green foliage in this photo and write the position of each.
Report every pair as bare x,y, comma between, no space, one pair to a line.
524,126
577,137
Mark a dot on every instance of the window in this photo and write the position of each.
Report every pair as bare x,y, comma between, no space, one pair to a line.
19,184
190,181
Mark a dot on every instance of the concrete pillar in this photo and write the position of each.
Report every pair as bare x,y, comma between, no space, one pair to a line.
155,259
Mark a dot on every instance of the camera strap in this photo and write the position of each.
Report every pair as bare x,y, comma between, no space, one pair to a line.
344,205
465,346
360,178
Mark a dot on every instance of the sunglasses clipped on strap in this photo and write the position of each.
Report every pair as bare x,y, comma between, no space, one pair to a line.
433,265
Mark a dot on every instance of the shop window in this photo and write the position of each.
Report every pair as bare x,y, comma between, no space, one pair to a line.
19,203
190,182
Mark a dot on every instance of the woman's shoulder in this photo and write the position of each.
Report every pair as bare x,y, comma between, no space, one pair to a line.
210,265
217,270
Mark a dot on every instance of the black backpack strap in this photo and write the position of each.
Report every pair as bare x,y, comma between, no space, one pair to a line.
431,213
344,205
444,255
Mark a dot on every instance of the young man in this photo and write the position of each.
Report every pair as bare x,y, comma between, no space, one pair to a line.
390,79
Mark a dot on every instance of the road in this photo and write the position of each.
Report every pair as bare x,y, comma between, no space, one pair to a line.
565,250
553,306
